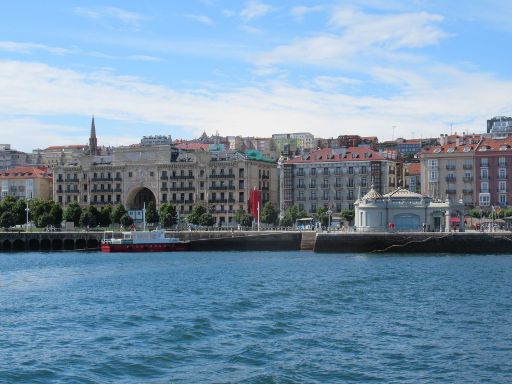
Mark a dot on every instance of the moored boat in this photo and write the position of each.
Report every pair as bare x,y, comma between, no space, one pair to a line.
141,241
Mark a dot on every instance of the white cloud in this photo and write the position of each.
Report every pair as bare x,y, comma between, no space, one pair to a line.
203,19
354,34
28,48
254,9
124,16
145,58
427,102
299,12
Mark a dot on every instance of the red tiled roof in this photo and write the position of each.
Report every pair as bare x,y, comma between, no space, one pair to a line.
327,155
25,173
448,148
74,146
414,169
193,146
496,144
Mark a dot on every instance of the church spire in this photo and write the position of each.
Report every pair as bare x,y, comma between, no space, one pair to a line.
93,141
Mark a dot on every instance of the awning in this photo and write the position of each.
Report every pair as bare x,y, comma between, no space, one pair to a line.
455,220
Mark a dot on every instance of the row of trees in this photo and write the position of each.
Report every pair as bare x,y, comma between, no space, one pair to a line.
43,213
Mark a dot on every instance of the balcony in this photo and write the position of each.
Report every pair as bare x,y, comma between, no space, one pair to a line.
467,179
484,177
467,166
222,187
164,177
301,198
325,186
484,165
301,186
485,190
450,167
118,178
101,179
217,201
222,176
501,190
181,201
451,179
502,177
451,191
467,191
106,190
312,185
118,190
74,180
265,177
182,189
181,177
164,189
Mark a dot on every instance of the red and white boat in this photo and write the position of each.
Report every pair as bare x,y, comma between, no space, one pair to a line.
141,241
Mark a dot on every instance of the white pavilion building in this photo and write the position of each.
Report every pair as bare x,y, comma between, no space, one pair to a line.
403,210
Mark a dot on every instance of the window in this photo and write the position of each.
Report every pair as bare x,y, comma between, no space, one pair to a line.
350,170
351,195
326,195
326,171
484,173
432,163
502,173
130,174
484,162
432,175
338,195
502,186
485,199
363,170
502,198
484,187
300,172
313,195
313,171
502,162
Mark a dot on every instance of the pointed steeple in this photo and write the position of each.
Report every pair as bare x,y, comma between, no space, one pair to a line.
93,141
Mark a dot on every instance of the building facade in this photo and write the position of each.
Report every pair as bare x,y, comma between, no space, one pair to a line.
493,170
403,210
134,176
334,178
448,171
26,183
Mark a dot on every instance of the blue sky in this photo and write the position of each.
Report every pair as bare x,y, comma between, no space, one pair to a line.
250,68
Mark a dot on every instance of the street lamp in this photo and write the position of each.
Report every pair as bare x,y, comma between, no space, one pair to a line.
27,209
329,212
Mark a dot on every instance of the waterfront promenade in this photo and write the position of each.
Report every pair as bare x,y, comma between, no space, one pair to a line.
323,242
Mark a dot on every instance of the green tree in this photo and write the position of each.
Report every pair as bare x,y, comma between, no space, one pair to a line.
322,217
56,214
38,207
168,215
72,213
206,219
348,215
88,218
118,212
243,218
126,220
7,204
18,210
7,219
94,211
268,214
291,215
195,215
105,218
151,213
44,220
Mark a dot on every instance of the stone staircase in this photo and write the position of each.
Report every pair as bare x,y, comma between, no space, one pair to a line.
308,241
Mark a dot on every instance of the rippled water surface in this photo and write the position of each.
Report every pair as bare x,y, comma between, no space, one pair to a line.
283,317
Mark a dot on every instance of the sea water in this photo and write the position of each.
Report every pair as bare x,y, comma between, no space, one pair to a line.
254,317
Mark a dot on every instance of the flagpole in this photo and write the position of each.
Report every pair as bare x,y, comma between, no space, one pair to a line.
144,216
258,216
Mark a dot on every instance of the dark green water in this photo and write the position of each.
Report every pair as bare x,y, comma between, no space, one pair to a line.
282,317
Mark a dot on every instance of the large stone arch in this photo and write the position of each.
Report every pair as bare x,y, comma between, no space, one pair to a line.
137,196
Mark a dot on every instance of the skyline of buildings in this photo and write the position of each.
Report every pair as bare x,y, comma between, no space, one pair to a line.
221,171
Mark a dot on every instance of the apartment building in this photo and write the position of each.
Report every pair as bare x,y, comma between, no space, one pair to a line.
134,176
26,183
493,168
448,171
334,178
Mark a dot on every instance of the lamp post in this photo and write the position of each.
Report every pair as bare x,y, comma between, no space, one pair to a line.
27,209
329,212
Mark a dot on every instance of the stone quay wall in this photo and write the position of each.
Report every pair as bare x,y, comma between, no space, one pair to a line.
455,242
49,241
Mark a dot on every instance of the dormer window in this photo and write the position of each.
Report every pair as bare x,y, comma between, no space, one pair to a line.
451,149
437,150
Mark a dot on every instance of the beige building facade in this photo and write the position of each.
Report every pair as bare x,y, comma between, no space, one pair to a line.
134,176
26,183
